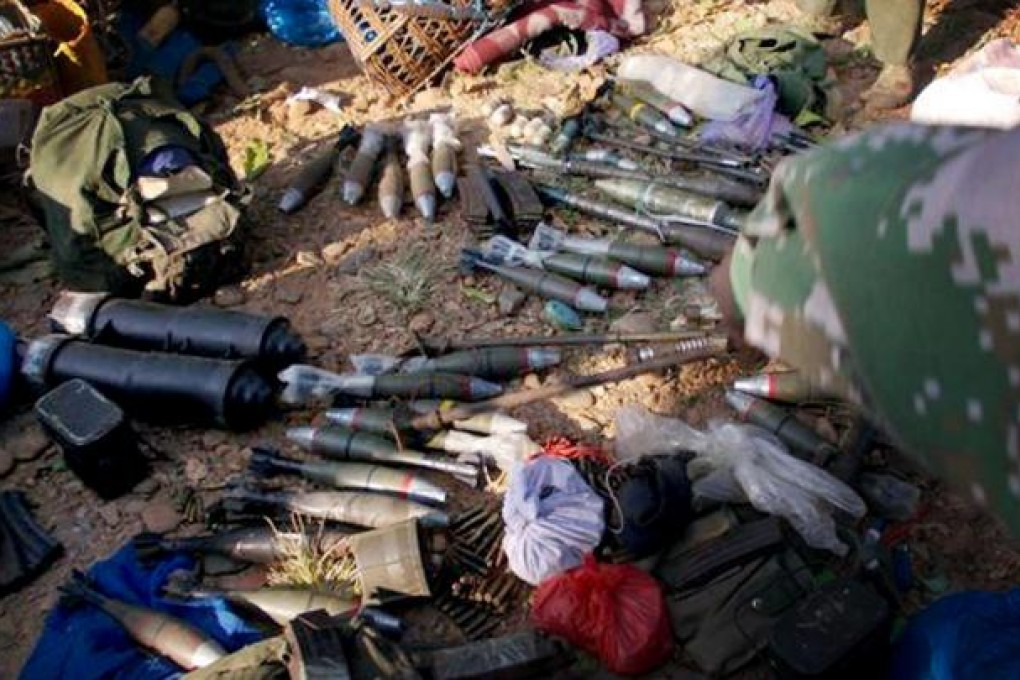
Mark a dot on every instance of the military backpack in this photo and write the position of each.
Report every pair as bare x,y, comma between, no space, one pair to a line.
136,194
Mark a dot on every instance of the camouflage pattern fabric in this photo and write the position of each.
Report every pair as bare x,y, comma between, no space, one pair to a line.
886,266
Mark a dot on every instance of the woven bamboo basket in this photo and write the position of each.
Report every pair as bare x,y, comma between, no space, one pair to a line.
27,68
400,50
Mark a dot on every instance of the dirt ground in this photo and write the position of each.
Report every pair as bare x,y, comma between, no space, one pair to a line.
303,269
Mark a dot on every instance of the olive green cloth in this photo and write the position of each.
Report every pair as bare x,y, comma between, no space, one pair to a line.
895,25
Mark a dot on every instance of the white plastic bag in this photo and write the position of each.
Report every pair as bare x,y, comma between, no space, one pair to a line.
983,90
742,463
754,128
553,519
639,432
699,91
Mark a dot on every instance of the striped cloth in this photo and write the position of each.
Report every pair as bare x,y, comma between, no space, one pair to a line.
622,18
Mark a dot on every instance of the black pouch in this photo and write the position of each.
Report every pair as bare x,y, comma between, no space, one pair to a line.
98,444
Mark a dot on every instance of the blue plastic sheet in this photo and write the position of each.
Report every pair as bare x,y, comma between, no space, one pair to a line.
84,643
7,361
967,636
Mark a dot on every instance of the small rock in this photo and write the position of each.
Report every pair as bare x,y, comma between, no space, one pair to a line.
195,471
532,382
229,296
23,439
366,316
334,252
212,439
511,300
634,322
316,343
110,515
6,462
133,508
421,323
147,487
306,258
577,400
288,296
299,108
161,517
356,260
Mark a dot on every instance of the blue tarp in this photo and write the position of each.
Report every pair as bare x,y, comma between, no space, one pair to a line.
84,643
967,636
7,361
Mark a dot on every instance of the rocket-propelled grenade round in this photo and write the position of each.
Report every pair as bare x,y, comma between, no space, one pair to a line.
707,243
359,508
386,421
675,111
315,172
414,386
598,270
281,604
261,544
342,443
654,260
658,199
782,423
544,284
644,114
492,363
347,476
787,386
178,641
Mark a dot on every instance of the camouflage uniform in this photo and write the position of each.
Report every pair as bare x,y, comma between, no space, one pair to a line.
887,267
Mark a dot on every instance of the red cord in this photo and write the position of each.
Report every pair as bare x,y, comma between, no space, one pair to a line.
561,447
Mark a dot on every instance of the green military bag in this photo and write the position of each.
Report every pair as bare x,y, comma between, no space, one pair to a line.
174,234
796,61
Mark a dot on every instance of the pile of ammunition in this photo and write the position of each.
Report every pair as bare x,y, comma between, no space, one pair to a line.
430,159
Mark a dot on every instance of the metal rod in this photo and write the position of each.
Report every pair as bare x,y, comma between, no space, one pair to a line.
439,345
440,419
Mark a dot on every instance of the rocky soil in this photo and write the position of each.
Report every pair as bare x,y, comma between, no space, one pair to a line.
313,268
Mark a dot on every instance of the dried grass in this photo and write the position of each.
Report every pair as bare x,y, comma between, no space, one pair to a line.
329,568
408,281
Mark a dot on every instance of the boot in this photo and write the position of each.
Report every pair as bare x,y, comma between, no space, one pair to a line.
893,88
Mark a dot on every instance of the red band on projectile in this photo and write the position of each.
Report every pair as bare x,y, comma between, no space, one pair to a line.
770,385
674,262
405,487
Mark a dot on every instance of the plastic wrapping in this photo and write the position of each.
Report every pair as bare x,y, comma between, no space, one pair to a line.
982,90
700,92
553,519
639,432
373,364
738,463
754,128
615,611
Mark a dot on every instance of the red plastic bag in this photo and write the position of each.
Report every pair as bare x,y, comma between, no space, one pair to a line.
614,611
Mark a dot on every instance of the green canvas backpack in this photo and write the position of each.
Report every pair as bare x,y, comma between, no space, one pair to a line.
796,62
104,231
